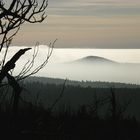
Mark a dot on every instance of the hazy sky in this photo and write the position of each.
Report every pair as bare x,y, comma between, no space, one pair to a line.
86,24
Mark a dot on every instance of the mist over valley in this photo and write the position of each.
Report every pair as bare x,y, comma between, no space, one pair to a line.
110,65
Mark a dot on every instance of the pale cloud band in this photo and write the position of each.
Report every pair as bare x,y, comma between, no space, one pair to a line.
94,7
87,24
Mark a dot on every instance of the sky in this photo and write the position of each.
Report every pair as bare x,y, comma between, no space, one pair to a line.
86,24
101,27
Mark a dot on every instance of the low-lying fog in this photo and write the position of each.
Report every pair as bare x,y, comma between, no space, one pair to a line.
112,65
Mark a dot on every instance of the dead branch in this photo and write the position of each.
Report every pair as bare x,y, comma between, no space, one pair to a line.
18,12
11,63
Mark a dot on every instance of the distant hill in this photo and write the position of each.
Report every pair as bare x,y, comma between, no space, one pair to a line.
95,60
100,60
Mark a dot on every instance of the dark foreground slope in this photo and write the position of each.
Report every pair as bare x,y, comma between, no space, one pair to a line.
50,111
76,94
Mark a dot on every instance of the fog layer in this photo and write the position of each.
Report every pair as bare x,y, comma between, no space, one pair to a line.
112,65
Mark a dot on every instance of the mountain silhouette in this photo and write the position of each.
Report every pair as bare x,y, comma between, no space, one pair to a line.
94,60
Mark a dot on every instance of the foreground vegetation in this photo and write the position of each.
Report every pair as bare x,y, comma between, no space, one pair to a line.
105,116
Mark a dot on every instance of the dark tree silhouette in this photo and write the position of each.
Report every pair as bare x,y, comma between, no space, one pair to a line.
13,14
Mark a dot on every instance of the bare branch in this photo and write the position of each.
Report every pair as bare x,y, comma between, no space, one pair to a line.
28,67
11,63
19,11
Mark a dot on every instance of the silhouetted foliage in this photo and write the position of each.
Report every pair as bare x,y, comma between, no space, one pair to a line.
12,15
81,113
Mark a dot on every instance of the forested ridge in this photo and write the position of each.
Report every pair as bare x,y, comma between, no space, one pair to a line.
52,109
